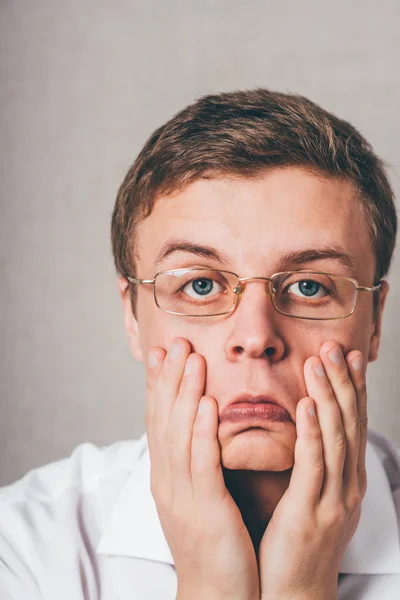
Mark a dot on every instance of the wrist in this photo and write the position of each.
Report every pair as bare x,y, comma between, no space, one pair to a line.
309,595
191,592
196,595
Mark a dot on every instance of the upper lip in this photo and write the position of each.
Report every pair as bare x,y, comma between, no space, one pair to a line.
253,399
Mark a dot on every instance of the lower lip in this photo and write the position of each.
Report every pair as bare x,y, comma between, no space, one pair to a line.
245,411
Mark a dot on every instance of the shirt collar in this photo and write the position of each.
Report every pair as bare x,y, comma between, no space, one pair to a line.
133,528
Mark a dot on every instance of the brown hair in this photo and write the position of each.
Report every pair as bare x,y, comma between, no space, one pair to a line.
244,133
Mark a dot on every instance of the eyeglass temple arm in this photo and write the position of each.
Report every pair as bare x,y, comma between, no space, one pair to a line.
134,280
375,288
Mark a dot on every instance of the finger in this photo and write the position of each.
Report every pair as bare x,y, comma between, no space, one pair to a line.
308,469
161,395
207,477
356,364
158,464
180,431
332,432
343,389
155,359
167,388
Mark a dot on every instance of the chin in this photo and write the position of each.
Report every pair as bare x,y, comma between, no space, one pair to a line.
257,450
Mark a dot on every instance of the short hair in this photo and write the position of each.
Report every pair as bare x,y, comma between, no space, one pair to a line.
244,133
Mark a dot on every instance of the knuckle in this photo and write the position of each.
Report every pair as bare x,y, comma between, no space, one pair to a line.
340,442
362,481
339,515
161,498
315,435
319,468
344,378
336,517
363,421
175,448
155,489
354,500
362,387
354,425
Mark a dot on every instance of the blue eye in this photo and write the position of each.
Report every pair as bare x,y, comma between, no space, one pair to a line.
201,287
308,288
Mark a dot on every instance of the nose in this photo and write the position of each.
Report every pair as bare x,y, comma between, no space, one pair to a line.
256,325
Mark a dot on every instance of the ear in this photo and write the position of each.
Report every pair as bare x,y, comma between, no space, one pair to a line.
130,323
376,328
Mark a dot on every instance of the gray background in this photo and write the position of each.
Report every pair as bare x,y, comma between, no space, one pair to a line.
83,84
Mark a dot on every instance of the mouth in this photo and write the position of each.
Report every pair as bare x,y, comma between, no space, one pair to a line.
254,409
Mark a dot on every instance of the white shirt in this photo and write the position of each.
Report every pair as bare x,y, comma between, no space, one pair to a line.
87,528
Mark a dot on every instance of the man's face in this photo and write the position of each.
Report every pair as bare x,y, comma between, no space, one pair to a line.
255,223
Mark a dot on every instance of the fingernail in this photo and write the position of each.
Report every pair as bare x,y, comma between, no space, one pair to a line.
335,354
319,369
311,409
153,359
357,363
189,366
175,350
202,407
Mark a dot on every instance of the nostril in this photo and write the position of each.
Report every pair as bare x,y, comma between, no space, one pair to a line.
270,351
238,349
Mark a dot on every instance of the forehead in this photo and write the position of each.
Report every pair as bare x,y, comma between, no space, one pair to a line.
256,221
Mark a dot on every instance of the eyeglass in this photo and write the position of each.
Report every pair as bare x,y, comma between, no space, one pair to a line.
202,292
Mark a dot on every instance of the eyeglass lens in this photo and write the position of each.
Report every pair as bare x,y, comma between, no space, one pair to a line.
211,292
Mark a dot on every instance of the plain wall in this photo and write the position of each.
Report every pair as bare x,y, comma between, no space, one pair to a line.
83,83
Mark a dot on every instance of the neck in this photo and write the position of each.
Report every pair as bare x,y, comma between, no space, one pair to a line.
256,494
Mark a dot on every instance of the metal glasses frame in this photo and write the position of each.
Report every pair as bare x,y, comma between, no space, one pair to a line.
238,291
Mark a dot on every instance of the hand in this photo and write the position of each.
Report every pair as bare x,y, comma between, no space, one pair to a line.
212,550
302,547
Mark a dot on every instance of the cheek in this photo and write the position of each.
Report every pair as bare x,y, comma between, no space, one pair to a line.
351,333
159,328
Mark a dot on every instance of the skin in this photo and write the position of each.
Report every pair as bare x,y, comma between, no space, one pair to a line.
258,350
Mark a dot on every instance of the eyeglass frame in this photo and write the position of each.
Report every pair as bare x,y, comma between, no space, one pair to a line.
238,291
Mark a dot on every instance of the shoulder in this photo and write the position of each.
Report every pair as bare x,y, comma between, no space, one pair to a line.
55,514
84,471
388,455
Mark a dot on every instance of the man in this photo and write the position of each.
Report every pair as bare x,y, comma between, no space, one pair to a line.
252,237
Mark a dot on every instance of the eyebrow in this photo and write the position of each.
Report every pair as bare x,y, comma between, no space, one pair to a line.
189,248
295,257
